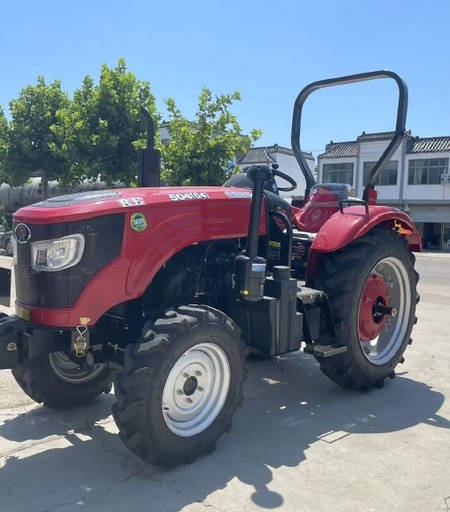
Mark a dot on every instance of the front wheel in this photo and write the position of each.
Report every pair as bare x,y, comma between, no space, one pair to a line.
371,285
181,386
59,381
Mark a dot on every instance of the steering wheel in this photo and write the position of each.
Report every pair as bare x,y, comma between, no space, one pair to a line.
285,177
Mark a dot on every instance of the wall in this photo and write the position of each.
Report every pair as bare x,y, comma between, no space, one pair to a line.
371,152
425,192
164,135
430,212
289,165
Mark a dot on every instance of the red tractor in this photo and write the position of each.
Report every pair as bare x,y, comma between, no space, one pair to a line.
163,291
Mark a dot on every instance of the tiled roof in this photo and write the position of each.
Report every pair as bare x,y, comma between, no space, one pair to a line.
340,149
375,136
429,145
415,144
256,156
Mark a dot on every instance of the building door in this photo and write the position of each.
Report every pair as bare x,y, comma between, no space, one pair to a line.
446,236
432,235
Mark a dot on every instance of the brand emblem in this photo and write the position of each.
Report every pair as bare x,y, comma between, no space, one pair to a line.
23,233
138,222
316,214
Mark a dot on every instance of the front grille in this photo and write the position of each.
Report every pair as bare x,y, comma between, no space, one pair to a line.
103,242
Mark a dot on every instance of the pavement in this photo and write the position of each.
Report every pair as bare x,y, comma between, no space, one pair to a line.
300,443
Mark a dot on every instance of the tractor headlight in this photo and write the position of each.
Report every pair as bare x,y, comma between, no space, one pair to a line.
59,254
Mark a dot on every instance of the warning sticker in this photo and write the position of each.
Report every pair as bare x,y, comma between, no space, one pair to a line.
274,250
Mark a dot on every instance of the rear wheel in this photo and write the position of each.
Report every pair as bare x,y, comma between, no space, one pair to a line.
181,386
371,284
58,381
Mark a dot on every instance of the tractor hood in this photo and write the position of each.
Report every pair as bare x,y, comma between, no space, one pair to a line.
66,245
86,205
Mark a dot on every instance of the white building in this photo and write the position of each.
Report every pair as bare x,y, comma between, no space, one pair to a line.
416,179
164,134
284,157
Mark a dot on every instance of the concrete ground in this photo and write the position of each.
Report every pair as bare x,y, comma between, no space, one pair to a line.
300,443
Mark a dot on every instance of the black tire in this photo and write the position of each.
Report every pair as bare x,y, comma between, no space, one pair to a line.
9,247
39,379
164,370
377,268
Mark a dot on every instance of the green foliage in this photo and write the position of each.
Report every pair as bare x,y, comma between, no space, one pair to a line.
32,133
96,134
104,127
199,151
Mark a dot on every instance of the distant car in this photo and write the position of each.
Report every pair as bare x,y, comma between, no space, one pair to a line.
6,242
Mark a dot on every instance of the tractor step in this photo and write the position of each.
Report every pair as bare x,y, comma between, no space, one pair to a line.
324,350
309,295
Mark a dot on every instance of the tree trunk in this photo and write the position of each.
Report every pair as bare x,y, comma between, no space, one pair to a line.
44,185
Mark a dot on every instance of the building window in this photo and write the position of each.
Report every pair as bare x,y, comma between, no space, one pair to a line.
388,175
338,173
427,171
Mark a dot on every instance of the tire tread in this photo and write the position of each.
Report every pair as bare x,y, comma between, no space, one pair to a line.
338,279
133,385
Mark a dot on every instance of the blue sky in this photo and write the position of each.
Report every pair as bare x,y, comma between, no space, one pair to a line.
268,51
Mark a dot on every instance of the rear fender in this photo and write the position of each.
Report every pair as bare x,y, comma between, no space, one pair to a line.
342,228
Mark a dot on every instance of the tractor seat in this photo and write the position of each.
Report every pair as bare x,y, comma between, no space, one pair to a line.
322,203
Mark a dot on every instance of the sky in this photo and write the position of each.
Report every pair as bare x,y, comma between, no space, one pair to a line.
268,51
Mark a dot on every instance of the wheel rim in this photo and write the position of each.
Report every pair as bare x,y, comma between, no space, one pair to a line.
71,372
196,389
9,248
384,309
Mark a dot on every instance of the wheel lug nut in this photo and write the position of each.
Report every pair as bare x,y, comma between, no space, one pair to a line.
200,389
367,299
189,400
180,392
198,373
186,375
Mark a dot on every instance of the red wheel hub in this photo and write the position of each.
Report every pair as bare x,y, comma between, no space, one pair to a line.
374,294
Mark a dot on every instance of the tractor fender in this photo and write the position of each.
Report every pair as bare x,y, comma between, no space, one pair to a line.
342,228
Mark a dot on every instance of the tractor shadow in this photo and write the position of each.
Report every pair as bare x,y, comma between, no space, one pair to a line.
74,460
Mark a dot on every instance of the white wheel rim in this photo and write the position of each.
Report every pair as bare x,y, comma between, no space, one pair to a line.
196,389
71,372
383,348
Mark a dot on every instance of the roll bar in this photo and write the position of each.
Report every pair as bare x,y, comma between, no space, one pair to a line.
350,79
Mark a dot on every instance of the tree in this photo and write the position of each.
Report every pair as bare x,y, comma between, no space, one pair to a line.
96,134
104,127
32,136
199,151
